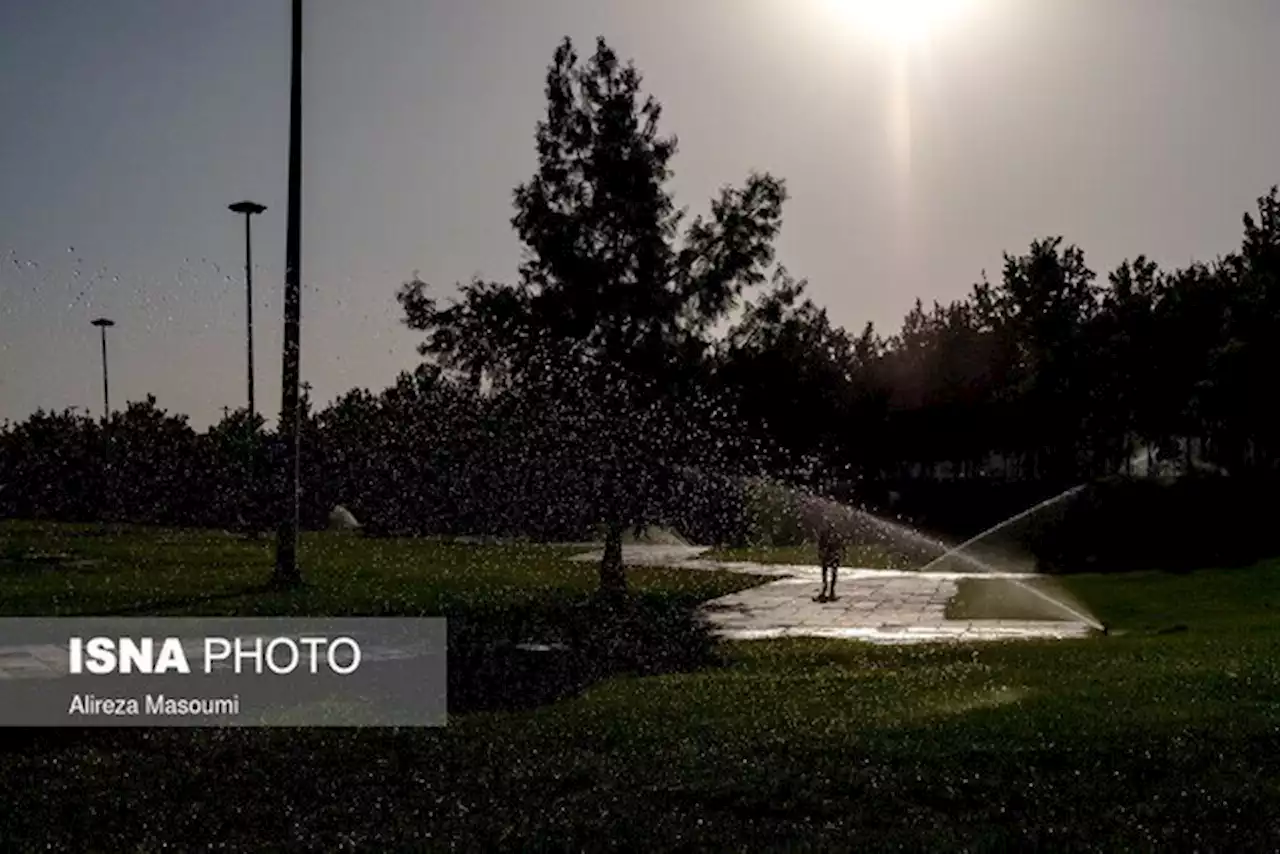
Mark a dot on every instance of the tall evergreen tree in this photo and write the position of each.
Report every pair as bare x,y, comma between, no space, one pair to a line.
615,301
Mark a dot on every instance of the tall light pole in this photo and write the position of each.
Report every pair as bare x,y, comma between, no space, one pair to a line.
249,209
286,570
108,501
102,323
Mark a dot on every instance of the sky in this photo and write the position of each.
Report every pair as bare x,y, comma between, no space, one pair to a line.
1135,127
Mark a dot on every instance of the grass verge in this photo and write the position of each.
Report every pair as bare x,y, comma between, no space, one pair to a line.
1147,740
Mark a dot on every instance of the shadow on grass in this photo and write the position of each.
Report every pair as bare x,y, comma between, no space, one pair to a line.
523,656
151,607
510,657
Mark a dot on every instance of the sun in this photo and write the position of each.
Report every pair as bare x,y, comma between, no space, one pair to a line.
900,23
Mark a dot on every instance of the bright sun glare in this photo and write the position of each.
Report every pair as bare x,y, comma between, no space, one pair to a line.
900,23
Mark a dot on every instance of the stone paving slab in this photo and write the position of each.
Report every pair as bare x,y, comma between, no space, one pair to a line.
889,636
875,605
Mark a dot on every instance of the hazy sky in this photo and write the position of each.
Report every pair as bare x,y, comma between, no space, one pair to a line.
1128,126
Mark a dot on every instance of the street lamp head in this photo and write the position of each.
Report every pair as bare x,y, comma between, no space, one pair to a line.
102,321
247,207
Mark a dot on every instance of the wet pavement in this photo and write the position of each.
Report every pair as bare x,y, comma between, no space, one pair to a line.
879,606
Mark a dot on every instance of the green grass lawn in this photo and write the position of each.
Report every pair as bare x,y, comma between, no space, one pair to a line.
125,569
861,556
1138,741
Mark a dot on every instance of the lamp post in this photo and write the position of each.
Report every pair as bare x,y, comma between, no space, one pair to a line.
249,209
286,569
102,323
108,501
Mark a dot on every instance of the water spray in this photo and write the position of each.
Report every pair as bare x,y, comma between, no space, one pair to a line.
958,551
903,536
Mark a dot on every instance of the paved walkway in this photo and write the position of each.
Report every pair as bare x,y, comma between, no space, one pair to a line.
880,606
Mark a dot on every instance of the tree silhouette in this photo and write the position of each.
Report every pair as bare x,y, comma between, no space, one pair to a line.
609,322
785,366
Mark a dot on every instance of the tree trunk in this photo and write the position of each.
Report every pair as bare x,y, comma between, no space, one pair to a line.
613,578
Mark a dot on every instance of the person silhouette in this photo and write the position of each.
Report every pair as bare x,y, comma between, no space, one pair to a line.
830,554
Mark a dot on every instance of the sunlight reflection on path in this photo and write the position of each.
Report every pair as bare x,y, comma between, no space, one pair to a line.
877,606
